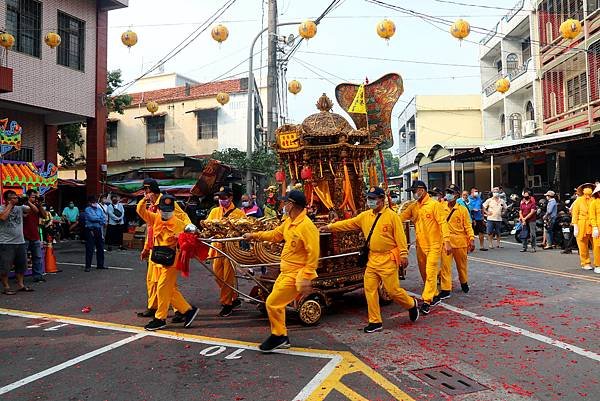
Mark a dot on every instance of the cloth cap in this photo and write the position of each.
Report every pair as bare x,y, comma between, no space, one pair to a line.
435,191
416,185
224,191
550,193
375,192
296,197
152,185
453,188
596,190
167,203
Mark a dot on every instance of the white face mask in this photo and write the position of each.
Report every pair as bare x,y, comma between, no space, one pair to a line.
245,204
166,215
475,194
372,203
416,195
449,197
495,194
94,204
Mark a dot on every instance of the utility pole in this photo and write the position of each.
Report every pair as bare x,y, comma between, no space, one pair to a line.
272,110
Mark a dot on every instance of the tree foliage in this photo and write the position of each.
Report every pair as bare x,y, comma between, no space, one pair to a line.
391,162
115,103
70,139
261,161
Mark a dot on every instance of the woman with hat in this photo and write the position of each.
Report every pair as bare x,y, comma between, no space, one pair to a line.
595,221
582,227
222,267
299,261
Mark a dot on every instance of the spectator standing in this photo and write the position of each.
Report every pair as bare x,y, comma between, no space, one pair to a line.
31,234
550,218
528,216
494,208
103,203
501,193
250,208
70,215
475,204
94,221
13,251
116,223
464,200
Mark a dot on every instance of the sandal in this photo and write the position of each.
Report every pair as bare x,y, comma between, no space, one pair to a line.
25,289
8,291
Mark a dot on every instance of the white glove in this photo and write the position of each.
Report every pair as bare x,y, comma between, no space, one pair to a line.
595,232
575,230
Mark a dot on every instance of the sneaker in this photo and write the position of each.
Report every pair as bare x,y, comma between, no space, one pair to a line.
190,316
226,311
373,327
587,267
483,249
178,318
464,287
435,301
413,313
236,303
156,324
597,270
566,252
147,313
274,342
87,269
39,279
425,308
444,294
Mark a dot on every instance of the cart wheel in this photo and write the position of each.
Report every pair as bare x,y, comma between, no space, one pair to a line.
310,312
384,297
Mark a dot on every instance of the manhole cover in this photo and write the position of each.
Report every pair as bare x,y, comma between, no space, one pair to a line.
448,380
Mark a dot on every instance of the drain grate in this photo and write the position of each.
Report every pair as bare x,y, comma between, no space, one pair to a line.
448,380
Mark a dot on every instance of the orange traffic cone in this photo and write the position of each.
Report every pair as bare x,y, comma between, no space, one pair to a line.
50,259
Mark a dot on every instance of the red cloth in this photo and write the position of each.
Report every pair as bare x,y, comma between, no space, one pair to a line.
189,247
527,207
31,223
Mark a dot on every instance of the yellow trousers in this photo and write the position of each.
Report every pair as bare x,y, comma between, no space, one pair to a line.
284,291
422,262
597,252
151,284
460,257
432,267
225,271
168,294
583,243
386,273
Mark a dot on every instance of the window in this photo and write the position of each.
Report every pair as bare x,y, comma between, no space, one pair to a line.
515,125
529,112
553,104
155,129
549,32
526,49
111,134
577,91
593,5
71,52
502,125
23,21
499,65
207,124
22,155
512,62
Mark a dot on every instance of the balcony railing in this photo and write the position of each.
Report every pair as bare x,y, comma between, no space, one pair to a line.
520,70
513,11
490,86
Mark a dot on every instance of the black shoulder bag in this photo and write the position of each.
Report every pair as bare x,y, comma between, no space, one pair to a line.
450,215
163,255
363,255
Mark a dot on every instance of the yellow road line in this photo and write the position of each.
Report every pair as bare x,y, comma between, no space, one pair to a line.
536,269
348,362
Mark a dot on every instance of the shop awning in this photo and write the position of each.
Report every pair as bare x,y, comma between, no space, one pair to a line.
505,147
202,109
161,114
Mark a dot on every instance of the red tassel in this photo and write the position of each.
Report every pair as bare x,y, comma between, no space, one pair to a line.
189,247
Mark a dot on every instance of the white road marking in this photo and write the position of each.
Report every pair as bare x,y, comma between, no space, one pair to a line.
305,392
55,328
69,363
510,243
38,325
518,330
83,265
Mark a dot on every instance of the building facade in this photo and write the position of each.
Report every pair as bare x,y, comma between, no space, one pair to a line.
54,86
432,129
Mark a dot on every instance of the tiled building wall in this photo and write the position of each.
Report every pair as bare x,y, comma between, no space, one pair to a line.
41,81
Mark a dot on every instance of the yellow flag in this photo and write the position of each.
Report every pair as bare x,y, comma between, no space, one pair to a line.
358,104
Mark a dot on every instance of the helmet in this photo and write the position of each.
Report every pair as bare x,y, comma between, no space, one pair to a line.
514,197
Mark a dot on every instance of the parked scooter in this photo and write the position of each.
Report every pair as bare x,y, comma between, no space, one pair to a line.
511,216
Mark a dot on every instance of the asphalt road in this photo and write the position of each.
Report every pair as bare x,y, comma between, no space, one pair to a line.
527,330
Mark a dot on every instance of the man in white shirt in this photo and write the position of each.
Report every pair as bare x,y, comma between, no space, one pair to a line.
116,223
494,208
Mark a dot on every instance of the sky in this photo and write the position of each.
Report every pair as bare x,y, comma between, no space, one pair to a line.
345,49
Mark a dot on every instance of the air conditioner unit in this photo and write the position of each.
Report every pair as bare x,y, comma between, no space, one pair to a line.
529,128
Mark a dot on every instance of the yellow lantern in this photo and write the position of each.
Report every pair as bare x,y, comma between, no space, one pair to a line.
503,85
460,29
152,107
7,40
570,29
129,38
294,87
220,33
307,29
223,98
386,29
52,39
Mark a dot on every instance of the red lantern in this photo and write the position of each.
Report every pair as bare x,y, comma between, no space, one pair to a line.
306,173
280,176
